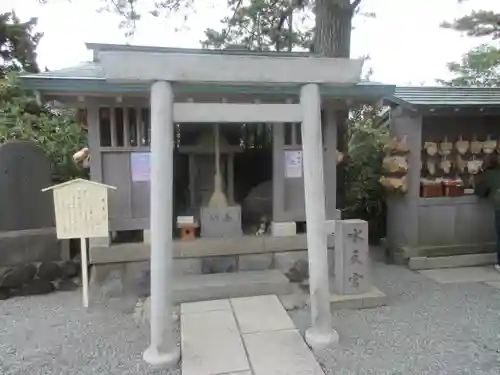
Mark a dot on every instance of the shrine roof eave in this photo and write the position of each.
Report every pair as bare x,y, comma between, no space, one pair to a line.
96,87
435,100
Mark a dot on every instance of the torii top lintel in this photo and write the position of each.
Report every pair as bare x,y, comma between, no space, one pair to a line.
129,65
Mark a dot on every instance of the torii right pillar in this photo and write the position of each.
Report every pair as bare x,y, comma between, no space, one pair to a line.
321,334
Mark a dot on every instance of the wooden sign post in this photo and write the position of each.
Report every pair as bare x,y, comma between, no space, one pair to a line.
81,208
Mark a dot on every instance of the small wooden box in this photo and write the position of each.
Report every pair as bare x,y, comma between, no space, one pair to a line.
454,191
431,191
188,231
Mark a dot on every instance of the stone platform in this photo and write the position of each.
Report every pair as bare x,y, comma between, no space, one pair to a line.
455,261
246,336
299,298
194,288
463,275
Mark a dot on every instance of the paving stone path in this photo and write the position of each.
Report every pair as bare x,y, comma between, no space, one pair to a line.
252,335
427,328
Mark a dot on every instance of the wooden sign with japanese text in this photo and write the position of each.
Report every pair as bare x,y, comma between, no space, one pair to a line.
81,209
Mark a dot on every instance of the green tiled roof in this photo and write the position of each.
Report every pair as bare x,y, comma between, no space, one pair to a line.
446,96
90,77
84,70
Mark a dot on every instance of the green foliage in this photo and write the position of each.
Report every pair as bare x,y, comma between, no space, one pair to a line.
478,23
255,24
55,131
479,67
20,116
18,43
365,197
261,25
132,11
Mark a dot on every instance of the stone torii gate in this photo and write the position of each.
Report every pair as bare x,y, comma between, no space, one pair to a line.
164,70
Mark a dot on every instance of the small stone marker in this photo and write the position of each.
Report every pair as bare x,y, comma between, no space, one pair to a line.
221,222
81,208
352,261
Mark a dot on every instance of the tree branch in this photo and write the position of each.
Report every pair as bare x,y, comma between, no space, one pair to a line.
118,9
355,4
129,18
477,23
230,24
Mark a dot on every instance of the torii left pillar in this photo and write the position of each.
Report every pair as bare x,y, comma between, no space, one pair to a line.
163,351
321,333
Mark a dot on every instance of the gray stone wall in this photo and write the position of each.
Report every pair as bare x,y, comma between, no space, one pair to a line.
133,277
33,245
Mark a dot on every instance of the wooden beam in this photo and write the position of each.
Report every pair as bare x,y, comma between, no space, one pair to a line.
236,113
178,67
112,124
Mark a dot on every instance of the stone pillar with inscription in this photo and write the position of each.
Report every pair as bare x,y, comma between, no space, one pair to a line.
352,259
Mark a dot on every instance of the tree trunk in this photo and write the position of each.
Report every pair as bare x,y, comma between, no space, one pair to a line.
332,38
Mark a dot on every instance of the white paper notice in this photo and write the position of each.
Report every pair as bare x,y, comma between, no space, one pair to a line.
140,166
293,164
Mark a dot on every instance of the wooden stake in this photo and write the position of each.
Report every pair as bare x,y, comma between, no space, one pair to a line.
85,276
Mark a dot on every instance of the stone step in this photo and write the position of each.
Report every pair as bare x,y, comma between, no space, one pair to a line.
193,288
454,261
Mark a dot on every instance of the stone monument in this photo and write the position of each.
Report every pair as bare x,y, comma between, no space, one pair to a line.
32,260
27,232
24,171
352,260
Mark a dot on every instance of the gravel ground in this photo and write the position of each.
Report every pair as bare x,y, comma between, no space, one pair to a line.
428,328
55,335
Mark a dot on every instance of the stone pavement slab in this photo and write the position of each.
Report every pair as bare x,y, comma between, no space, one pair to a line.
211,344
280,353
261,313
205,306
463,275
494,284
243,336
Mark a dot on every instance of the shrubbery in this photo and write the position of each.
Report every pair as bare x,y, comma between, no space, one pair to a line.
55,131
365,197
